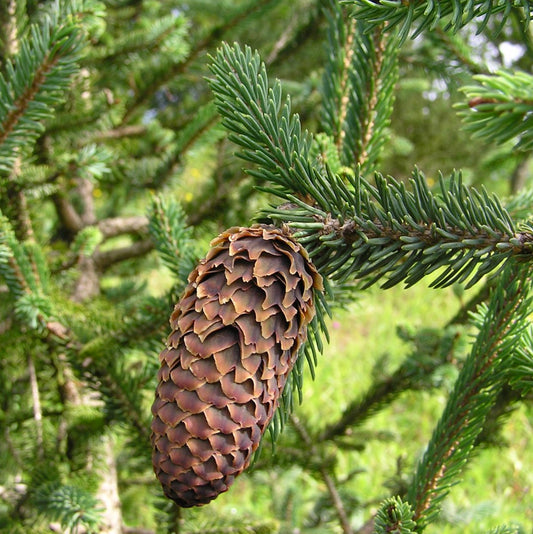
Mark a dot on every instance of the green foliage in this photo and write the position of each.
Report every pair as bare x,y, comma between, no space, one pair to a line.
172,237
73,507
505,529
23,269
394,516
29,94
358,229
521,373
500,108
358,89
453,13
111,147
501,325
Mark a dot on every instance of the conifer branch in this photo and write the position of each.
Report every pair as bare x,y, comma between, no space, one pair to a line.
178,68
115,226
66,212
358,85
452,14
394,516
484,373
521,374
369,124
36,404
22,267
500,108
172,237
36,79
350,227
104,259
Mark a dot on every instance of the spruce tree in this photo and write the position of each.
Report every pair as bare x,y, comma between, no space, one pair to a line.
102,105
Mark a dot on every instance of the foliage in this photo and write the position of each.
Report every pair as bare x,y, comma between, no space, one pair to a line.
501,108
117,170
456,13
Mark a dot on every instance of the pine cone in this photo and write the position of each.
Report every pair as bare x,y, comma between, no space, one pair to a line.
235,337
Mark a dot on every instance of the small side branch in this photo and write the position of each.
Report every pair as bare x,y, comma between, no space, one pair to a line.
328,479
123,225
105,259
475,393
37,411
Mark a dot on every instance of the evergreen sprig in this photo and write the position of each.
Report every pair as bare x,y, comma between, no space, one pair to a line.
172,237
521,373
269,134
500,108
34,82
405,235
351,228
394,516
358,88
73,507
501,326
453,14
22,265
506,529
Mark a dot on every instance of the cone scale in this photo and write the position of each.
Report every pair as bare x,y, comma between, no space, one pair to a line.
235,338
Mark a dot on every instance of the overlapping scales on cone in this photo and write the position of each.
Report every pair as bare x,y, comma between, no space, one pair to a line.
235,337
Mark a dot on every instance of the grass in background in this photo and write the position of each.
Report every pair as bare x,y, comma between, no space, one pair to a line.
496,486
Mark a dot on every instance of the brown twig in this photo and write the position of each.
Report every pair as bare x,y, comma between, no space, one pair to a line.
328,479
374,87
115,226
104,259
344,85
37,411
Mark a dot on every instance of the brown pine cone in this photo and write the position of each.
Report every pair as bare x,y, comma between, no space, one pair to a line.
235,337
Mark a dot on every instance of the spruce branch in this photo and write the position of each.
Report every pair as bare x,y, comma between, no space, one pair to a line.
501,325
34,82
521,374
73,507
172,237
258,121
353,229
452,14
394,516
500,108
22,265
115,226
506,529
104,259
358,89
406,235
167,74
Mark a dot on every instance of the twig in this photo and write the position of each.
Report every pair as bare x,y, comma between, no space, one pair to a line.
374,88
130,130
67,213
123,225
328,479
105,259
37,412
